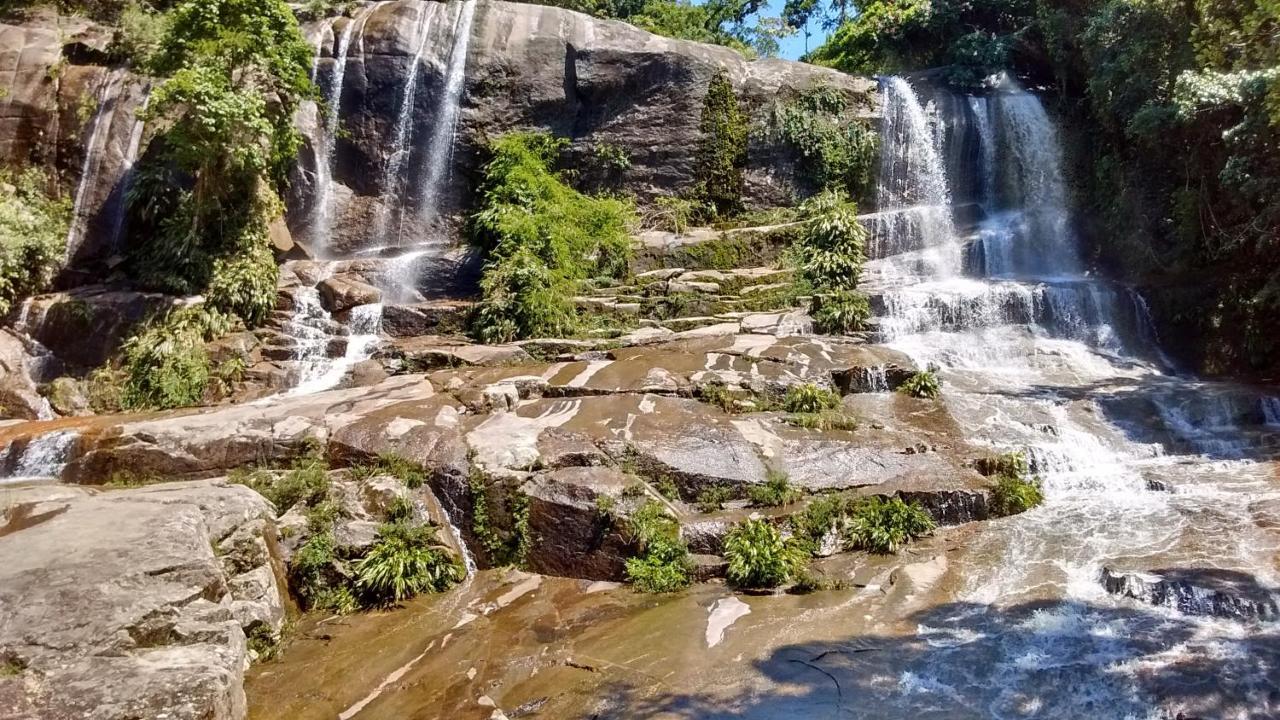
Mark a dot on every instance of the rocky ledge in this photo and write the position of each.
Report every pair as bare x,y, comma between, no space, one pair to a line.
134,603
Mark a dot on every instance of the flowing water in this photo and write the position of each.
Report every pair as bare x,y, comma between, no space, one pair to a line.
109,95
439,150
1141,470
326,151
43,457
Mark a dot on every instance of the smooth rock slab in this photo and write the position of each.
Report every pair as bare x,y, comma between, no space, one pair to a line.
116,605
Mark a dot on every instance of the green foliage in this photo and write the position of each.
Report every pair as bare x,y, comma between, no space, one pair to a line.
924,384
840,312
244,285
713,498
33,234
883,525
614,158
388,463
829,250
809,398
837,152
540,235
776,490
661,564
405,561
306,481
1015,490
822,516
759,557
206,193
312,570
165,363
132,479
722,148
401,509
501,524
263,642
138,34
675,214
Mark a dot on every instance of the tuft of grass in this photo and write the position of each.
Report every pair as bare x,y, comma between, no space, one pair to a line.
776,490
397,466
712,499
924,384
843,311
661,564
401,509
405,561
759,557
1015,490
809,398
883,525
833,419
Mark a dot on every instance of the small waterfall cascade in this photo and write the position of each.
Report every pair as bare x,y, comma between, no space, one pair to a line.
43,456
327,147
108,99
1141,469
315,333
913,222
393,180
439,149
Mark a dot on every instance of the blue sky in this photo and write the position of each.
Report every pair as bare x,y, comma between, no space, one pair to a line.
793,47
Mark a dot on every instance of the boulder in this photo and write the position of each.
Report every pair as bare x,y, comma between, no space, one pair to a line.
160,616
338,294
575,537
1198,591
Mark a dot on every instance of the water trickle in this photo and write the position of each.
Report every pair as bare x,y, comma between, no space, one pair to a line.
322,210
439,147
43,457
108,99
400,148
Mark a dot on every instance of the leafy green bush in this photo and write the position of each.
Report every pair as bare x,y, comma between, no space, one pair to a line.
822,516
205,193
662,563
722,148
306,481
406,560
312,570
33,234
884,525
759,557
838,152
924,384
843,311
829,250
776,490
138,34
165,363
244,285
540,235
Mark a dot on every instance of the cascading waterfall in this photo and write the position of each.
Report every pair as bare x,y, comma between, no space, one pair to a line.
400,148
322,210
1038,356
440,145
43,457
107,98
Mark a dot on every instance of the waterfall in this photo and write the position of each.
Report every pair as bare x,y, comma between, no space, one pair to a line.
440,145
107,98
313,331
1271,410
400,148
44,456
322,210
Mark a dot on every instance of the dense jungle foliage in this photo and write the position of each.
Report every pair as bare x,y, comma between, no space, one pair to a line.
1172,112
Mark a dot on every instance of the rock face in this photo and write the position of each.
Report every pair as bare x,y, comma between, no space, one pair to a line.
1215,593
134,603
531,67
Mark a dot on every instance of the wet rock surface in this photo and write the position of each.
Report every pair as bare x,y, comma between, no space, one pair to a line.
134,603
1216,593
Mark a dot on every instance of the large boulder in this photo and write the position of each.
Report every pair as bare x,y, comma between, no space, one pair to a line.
134,603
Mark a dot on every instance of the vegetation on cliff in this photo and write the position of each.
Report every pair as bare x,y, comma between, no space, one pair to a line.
722,149
540,237
661,563
760,557
33,231
1173,117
